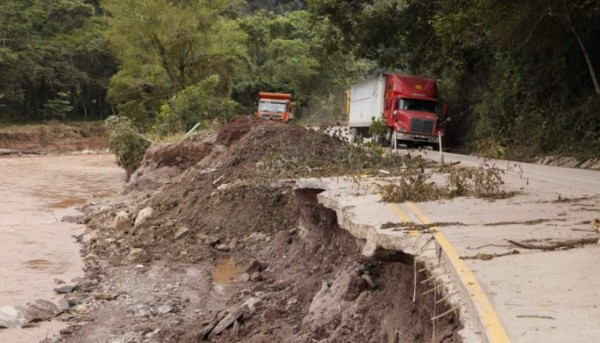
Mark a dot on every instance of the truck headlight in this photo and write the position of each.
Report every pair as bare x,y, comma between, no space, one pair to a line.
402,129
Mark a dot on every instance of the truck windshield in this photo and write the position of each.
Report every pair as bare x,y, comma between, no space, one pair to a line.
270,106
417,105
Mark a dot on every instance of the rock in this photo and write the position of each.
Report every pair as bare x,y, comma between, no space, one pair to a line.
233,244
81,309
106,296
76,219
164,309
40,310
182,231
89,237
227,321
256,277
209,240
151,334
64,289
137,255
10,317
223,247
219,149
143,216
355,287
91,258
256,266
223,186
369,281
292,301
270,315
59,282
236,328
122,222
257,236
63,305
66,332
244,277
218,179
74,300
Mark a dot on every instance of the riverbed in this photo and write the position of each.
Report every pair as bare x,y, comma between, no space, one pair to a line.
37,250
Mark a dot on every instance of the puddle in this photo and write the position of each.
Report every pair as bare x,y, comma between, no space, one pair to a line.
38,264
225,271
46,266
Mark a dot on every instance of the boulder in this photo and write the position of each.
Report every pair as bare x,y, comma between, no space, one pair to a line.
122,222
181,232
64,289
143,216
40,310
11,317
137,255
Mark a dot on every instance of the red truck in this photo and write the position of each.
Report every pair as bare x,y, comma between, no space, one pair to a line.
275,106
408,105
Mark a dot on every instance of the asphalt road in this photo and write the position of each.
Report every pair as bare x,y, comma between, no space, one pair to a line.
506,293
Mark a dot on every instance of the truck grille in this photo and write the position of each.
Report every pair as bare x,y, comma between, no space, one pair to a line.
421,126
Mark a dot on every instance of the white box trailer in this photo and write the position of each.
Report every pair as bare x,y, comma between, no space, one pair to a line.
366,101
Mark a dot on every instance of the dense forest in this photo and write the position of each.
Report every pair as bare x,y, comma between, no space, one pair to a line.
520,77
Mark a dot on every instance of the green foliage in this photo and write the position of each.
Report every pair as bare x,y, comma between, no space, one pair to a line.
198,103
49,49
165,47
57,108
128,145
297,53
378,129
415,184
518,75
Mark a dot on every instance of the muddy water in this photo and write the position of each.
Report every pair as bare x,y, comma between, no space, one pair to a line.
36,248
225,271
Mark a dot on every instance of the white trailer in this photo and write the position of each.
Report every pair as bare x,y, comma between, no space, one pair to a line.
366,102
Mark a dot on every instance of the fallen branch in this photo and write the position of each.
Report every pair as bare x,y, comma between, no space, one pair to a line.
570,243
487,257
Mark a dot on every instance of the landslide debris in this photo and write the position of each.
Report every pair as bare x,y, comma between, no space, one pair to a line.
219,247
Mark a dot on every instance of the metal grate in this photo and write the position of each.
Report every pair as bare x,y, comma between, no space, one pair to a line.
421,126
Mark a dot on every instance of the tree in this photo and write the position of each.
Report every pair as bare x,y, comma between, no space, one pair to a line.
295,52
45,50
166,46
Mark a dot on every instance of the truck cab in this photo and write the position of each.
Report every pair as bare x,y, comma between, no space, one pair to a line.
275,106
412,110
408,104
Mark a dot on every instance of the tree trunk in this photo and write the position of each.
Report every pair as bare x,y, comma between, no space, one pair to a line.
588,60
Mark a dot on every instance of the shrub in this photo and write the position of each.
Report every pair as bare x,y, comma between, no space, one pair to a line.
128,145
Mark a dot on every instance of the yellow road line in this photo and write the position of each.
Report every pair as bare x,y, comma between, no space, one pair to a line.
400,213
404,217
495,330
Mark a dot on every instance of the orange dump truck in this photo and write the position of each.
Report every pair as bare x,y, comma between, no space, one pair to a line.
275,106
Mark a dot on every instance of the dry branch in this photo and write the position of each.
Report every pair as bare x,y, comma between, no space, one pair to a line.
570,243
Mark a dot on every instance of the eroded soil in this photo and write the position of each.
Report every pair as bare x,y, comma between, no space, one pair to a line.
212,246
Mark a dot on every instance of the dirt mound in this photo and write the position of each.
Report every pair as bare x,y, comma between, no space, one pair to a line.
163,163
227,251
